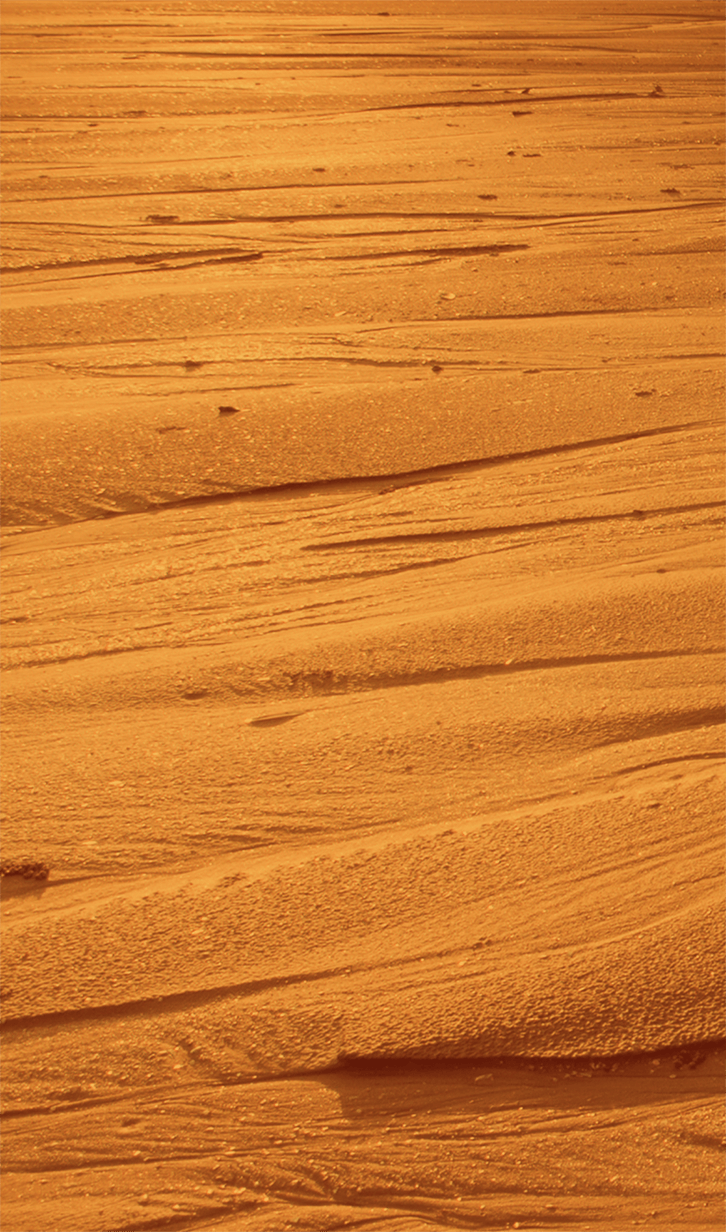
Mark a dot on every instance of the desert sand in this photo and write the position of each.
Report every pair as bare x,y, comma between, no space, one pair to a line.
370,727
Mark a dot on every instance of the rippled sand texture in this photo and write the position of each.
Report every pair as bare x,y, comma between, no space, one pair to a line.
372,730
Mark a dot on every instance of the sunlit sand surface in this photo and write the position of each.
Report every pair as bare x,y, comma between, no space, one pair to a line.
371,726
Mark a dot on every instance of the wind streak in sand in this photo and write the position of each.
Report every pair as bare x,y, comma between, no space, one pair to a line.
376,729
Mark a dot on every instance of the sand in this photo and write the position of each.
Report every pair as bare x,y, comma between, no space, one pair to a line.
371,728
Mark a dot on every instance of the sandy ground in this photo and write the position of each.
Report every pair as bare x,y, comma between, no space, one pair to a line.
372,730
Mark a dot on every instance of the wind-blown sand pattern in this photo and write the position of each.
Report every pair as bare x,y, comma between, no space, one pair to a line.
370,726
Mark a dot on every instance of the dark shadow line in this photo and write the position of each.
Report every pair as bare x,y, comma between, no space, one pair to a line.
166,1002
508,102
322,684
426,475
487,532
217,254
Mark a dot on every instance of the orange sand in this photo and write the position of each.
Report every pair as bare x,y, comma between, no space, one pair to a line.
373,734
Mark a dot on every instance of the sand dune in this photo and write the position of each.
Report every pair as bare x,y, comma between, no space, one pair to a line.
371,729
